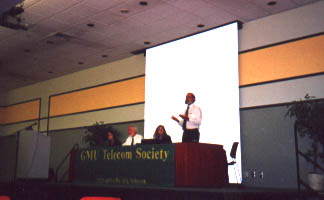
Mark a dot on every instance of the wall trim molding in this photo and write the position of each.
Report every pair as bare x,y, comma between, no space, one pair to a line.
282,42
274,105
94,86
108,124
281,80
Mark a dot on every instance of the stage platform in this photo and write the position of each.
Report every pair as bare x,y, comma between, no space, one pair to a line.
41,190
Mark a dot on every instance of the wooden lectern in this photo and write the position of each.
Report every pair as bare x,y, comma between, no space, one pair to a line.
198,164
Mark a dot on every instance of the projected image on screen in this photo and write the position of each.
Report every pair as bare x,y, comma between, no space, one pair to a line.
205,64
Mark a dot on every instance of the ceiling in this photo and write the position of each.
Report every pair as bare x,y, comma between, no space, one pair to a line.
66,36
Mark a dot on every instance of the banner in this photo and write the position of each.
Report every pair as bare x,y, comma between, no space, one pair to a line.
151,165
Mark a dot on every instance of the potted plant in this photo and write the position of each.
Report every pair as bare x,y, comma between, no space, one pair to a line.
96,135
309,122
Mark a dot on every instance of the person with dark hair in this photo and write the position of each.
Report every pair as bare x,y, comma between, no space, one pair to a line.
161,136
191,120
112,139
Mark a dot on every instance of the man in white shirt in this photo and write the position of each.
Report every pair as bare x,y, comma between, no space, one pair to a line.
133,137
191,120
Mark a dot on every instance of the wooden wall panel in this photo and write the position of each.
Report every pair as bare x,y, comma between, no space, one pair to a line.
111,95
20,112
293,59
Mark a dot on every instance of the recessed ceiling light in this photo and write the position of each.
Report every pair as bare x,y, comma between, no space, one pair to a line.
104,56
80,63
147,42
27,50
124,10
143,3
200,25
90,25
272,3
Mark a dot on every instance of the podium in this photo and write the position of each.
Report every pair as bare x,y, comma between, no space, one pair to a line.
168,165
198,164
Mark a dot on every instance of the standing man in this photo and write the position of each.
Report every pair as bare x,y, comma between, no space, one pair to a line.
133,137
191,120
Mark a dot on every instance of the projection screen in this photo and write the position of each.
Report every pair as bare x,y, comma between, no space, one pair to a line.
205,64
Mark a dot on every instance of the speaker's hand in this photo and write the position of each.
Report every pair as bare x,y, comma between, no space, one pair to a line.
174,118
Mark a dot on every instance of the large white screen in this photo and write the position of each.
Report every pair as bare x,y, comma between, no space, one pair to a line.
205,64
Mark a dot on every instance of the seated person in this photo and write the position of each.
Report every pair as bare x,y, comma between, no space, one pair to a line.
161,136
112,139
133,137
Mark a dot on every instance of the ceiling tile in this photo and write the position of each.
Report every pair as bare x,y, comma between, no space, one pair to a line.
59,39
115,29
278,7
47,27
26,37
97,33
15,82
150,15
14,43
93,39
97,27
16,71
117,41
304,2
48,51
171,34
199,8
74,31
120,56
28,3
107,17
76,14
131,35
243,9
101,4
134,7
6,32
174,20
87,62
100,57
77,50
31,18
81,10
217,20
68,18
61,4
43,9
131,23
132,46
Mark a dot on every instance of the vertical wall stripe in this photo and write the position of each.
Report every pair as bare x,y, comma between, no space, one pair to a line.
39,114
2,114
48,114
